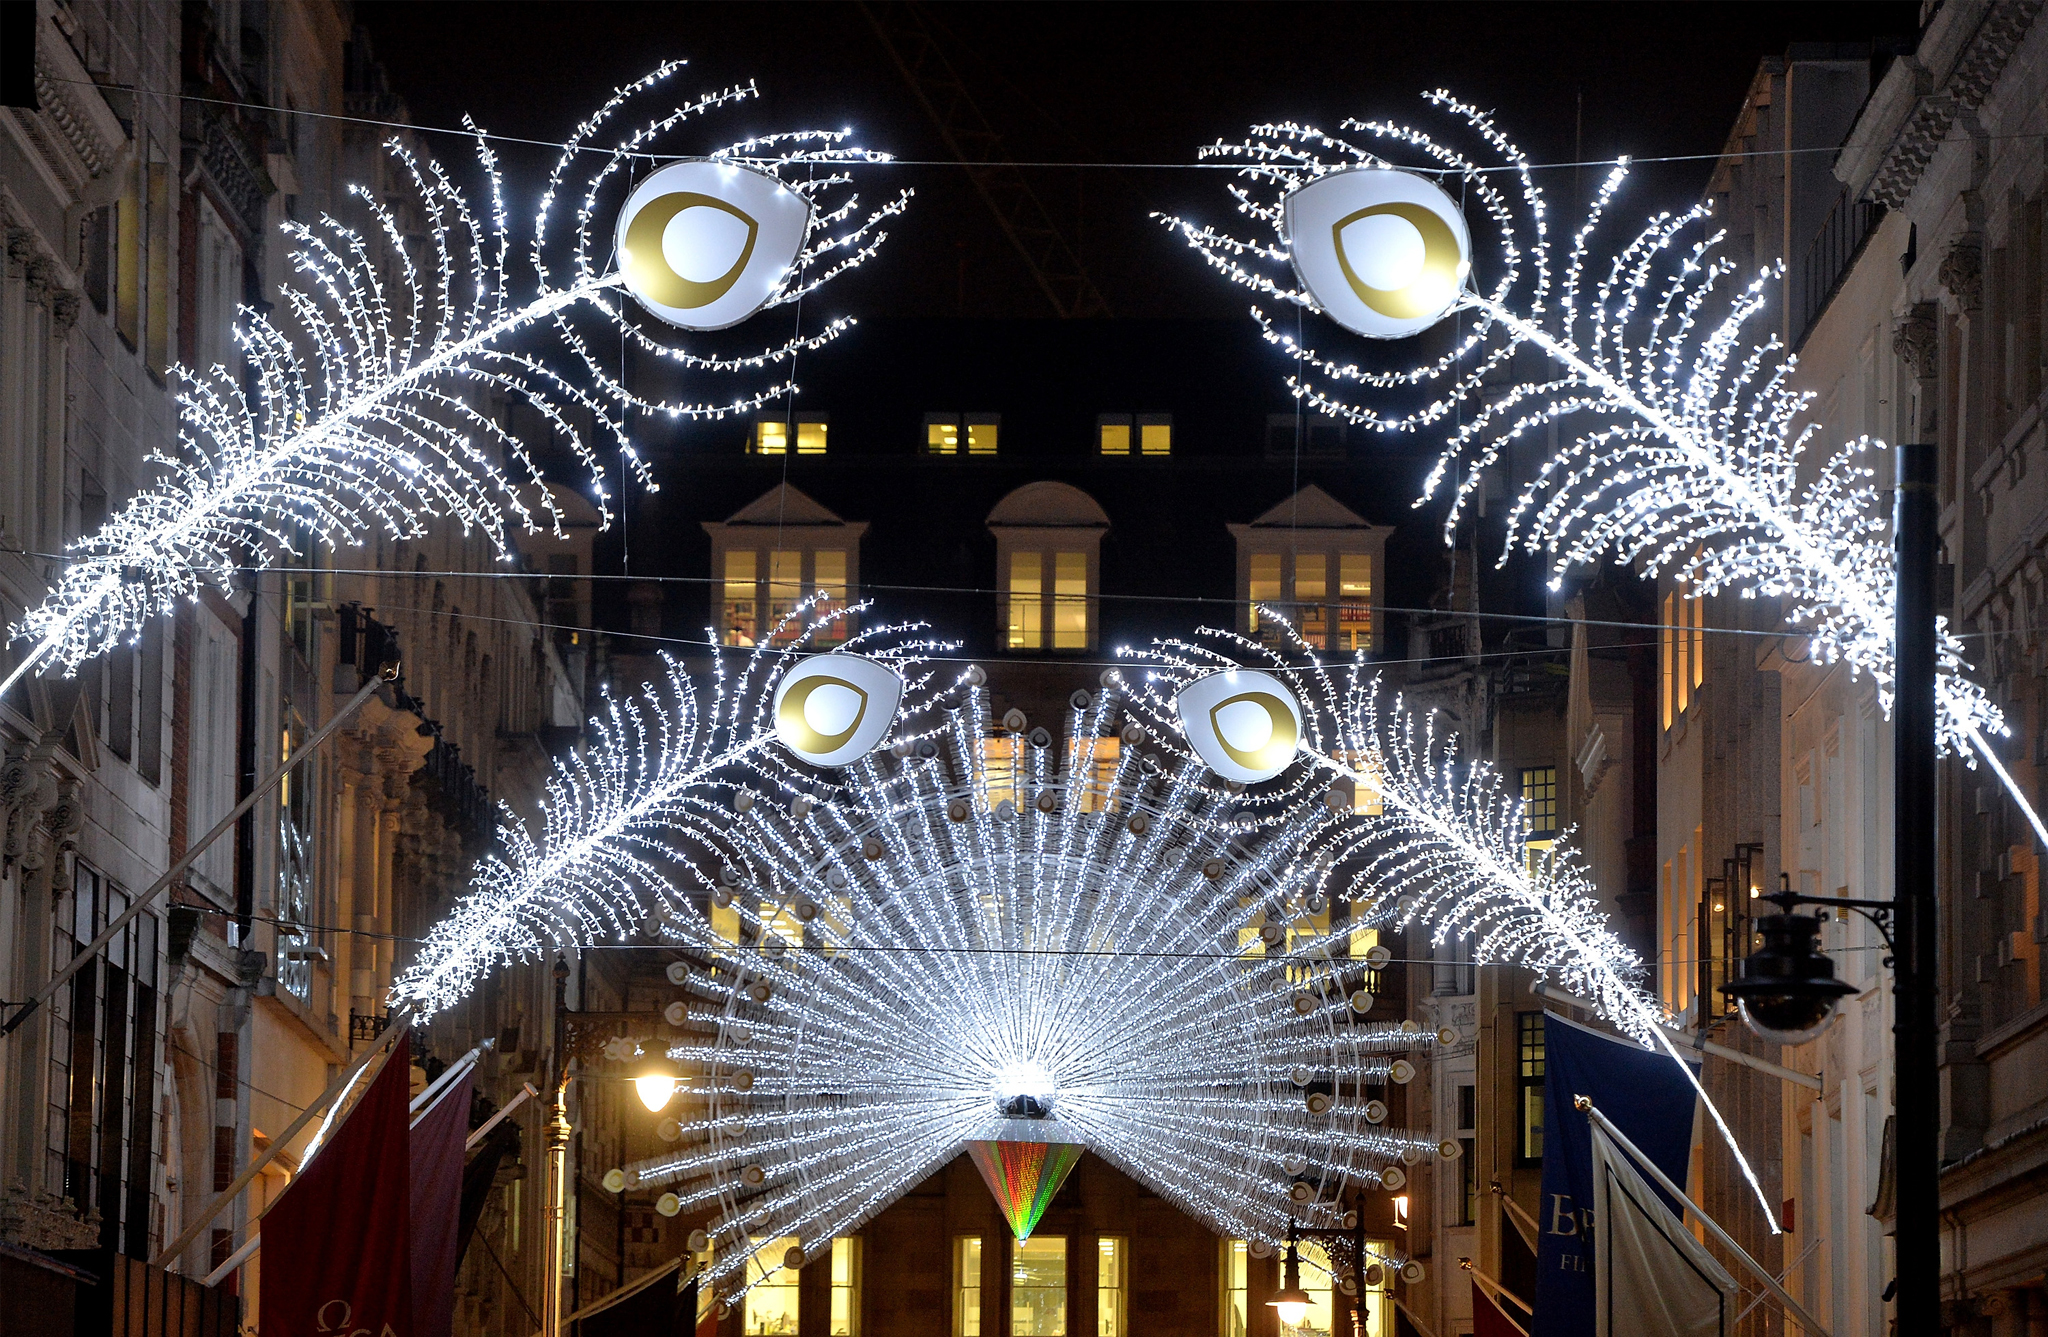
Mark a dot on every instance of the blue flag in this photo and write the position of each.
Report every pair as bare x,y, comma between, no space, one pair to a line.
1650,1100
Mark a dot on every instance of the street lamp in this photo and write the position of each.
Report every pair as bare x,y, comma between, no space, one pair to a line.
656,1081
1787,991
1291,1300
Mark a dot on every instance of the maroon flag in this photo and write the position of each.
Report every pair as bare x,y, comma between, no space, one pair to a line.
437,1152
337,1248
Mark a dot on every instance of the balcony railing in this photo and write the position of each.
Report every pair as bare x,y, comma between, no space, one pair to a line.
1834,249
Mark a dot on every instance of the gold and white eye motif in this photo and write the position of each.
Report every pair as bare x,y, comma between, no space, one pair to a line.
1245,725
1384,253
705,244
834,709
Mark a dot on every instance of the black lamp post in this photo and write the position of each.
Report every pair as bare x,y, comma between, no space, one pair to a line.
1788,990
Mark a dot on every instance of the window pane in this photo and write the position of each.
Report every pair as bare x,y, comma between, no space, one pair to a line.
771,1306
785,590
1002,769
1116,438
967,1287
981,438
1100,795
740,622
1236,1276
1027,610
771,438
845,1288
1315,1279
1354,609
1311,587
810,438
828,579
1070,601
1038,1287
942,437
1263,585
1156,438
1109,1288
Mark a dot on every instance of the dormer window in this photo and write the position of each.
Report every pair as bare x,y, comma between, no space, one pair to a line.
771,556
1310,562
1048,567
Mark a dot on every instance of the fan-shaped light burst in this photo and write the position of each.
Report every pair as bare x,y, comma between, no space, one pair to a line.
1688,450
1056,935
649,783
369,405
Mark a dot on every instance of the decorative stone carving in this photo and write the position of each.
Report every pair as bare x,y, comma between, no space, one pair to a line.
28,789
1962,272
1916,339
67,819
46,1221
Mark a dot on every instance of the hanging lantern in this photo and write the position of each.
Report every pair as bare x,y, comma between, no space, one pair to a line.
705,244
1245,725
834,709
1384,253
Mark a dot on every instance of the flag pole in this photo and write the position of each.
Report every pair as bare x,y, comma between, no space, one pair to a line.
400,1022
420,1105
388,673
1726,1240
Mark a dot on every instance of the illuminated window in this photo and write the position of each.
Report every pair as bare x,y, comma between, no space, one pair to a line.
982,429
778,580
1236,1273
1155,434
1539,811
1263,586
1030,612
1354,601
828,579
967,1286
1363,940
1002,769
771,438
941,433
1529,1087
810,433
1311,589
785,592
1109,1288
1027,602
1377,1302
1038,1287
771,1305
1113,433
1321,1318
1070,601
1682,647
1249,943
739,619
1099,760
845,1288
1328,614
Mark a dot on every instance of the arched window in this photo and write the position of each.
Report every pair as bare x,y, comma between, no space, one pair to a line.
1048,567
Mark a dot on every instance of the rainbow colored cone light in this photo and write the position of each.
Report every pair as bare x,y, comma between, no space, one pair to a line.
1024,1175
1024,1153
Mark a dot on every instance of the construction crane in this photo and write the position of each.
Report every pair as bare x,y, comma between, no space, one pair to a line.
912,41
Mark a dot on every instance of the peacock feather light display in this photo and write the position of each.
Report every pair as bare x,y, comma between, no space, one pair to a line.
1685,447
377,401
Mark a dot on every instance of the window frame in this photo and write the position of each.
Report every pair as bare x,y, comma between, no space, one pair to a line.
1529,1069
969,1300
1065,1289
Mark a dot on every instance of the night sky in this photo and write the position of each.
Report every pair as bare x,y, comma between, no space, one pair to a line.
1116,83
1138,86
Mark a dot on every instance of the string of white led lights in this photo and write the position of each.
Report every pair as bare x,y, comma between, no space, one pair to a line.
834,1073
361,412
1690,444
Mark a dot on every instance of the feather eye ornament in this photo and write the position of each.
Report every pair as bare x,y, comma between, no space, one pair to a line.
1435,841
1686,448
358,410
626,822
960,948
